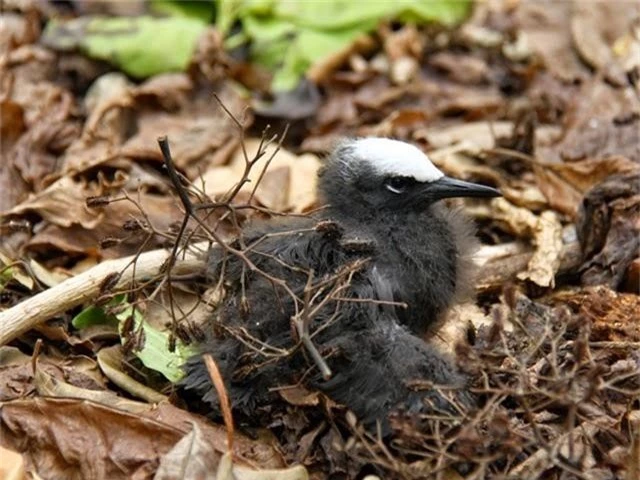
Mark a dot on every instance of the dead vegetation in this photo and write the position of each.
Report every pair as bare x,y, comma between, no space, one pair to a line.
544,103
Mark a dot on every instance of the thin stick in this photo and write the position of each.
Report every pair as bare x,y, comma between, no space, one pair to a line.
223,398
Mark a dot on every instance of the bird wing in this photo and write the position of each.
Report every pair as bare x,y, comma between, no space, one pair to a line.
384,287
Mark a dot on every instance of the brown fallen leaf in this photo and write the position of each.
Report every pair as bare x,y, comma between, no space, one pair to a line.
564,184
398,124
461,68
403,49
64,203
608,227
290,186
111,361
547,29
15,373
79,439
196,132
595,26
82,439
12,124
320,71
300,396
602,121
544,264
191,457
338,108
64,209
481,134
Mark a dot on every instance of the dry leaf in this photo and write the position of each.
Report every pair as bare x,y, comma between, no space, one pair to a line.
12,465
191,458
565,184
64,203
79,439
297,185
111,361
547,238
608,227
595,26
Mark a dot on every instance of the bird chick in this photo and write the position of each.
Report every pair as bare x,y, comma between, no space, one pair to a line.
369,275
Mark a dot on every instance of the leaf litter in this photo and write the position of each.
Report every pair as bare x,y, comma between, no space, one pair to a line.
541,101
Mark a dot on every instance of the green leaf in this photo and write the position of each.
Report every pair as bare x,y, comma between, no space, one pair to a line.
197,9
139,46
6,274
289,37
155,353
93,315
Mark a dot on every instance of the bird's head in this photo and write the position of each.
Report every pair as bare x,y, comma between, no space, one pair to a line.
382,175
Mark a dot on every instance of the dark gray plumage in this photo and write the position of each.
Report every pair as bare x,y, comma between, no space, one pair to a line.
382,206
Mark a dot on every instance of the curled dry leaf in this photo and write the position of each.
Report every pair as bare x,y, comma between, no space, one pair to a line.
17,30
15,374
546,233
14,270
398,124
105,102
564,184
111,360
63,203
33,138
547,238
47,277
608,227
300,396
48,385
518,221
320,71
12,123
196,132
160,211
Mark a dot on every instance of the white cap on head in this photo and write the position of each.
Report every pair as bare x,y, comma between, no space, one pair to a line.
395,158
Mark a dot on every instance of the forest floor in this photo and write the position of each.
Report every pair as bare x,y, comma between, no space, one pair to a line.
539,99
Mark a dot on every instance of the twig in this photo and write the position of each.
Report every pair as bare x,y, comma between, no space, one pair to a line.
86,286
223,397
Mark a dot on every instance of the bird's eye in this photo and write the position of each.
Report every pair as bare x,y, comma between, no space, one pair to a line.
399,184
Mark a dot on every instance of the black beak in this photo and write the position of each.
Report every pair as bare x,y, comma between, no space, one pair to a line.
447,187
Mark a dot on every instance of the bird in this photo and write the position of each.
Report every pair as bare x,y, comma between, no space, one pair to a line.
369,276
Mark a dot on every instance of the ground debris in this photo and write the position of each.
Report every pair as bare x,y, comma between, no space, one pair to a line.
538,100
